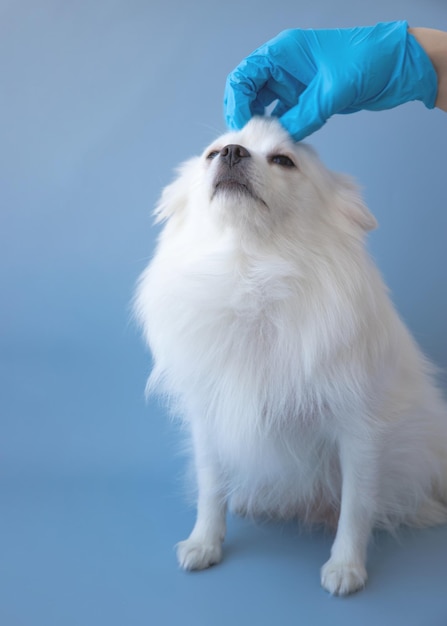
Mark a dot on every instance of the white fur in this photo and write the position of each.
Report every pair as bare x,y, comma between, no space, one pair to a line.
275,340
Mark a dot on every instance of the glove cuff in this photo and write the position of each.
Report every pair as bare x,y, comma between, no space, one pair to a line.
425,79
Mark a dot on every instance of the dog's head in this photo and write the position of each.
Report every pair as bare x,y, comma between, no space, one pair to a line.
259,184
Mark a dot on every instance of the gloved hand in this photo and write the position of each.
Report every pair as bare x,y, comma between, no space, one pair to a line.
316,73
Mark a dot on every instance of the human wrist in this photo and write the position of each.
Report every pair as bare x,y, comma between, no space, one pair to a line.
434,43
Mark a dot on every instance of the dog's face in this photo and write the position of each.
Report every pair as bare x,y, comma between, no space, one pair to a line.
260,184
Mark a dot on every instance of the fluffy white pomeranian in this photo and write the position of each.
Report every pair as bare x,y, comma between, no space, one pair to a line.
275,340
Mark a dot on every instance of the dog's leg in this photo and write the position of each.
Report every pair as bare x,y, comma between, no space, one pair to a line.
345,571
204,545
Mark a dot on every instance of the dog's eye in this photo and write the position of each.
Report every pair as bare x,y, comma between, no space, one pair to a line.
282,160
211,155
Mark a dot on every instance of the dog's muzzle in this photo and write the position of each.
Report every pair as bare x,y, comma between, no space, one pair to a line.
232,171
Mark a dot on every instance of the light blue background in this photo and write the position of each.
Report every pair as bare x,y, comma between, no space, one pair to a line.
99,101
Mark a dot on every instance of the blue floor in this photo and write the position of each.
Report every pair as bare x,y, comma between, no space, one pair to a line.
91,543
99,550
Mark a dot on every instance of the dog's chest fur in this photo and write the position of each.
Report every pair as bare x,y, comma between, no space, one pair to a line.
251,351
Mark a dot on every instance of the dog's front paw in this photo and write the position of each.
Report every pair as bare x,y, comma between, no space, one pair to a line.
196,555
343,578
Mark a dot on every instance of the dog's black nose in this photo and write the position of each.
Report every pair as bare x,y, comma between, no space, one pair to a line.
233,153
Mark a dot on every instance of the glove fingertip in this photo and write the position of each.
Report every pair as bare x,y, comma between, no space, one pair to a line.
236,109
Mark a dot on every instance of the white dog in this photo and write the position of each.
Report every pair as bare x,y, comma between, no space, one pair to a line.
273,335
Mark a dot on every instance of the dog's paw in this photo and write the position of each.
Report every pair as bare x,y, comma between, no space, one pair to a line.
196,555
343,578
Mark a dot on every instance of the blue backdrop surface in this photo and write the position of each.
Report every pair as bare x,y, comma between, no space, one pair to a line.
99,101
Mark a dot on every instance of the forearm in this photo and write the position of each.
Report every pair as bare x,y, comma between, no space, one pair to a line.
434,43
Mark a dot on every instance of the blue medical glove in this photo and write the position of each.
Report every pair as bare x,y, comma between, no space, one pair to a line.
316,73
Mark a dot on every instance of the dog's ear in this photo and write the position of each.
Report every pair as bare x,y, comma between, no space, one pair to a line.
175,196
351,204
